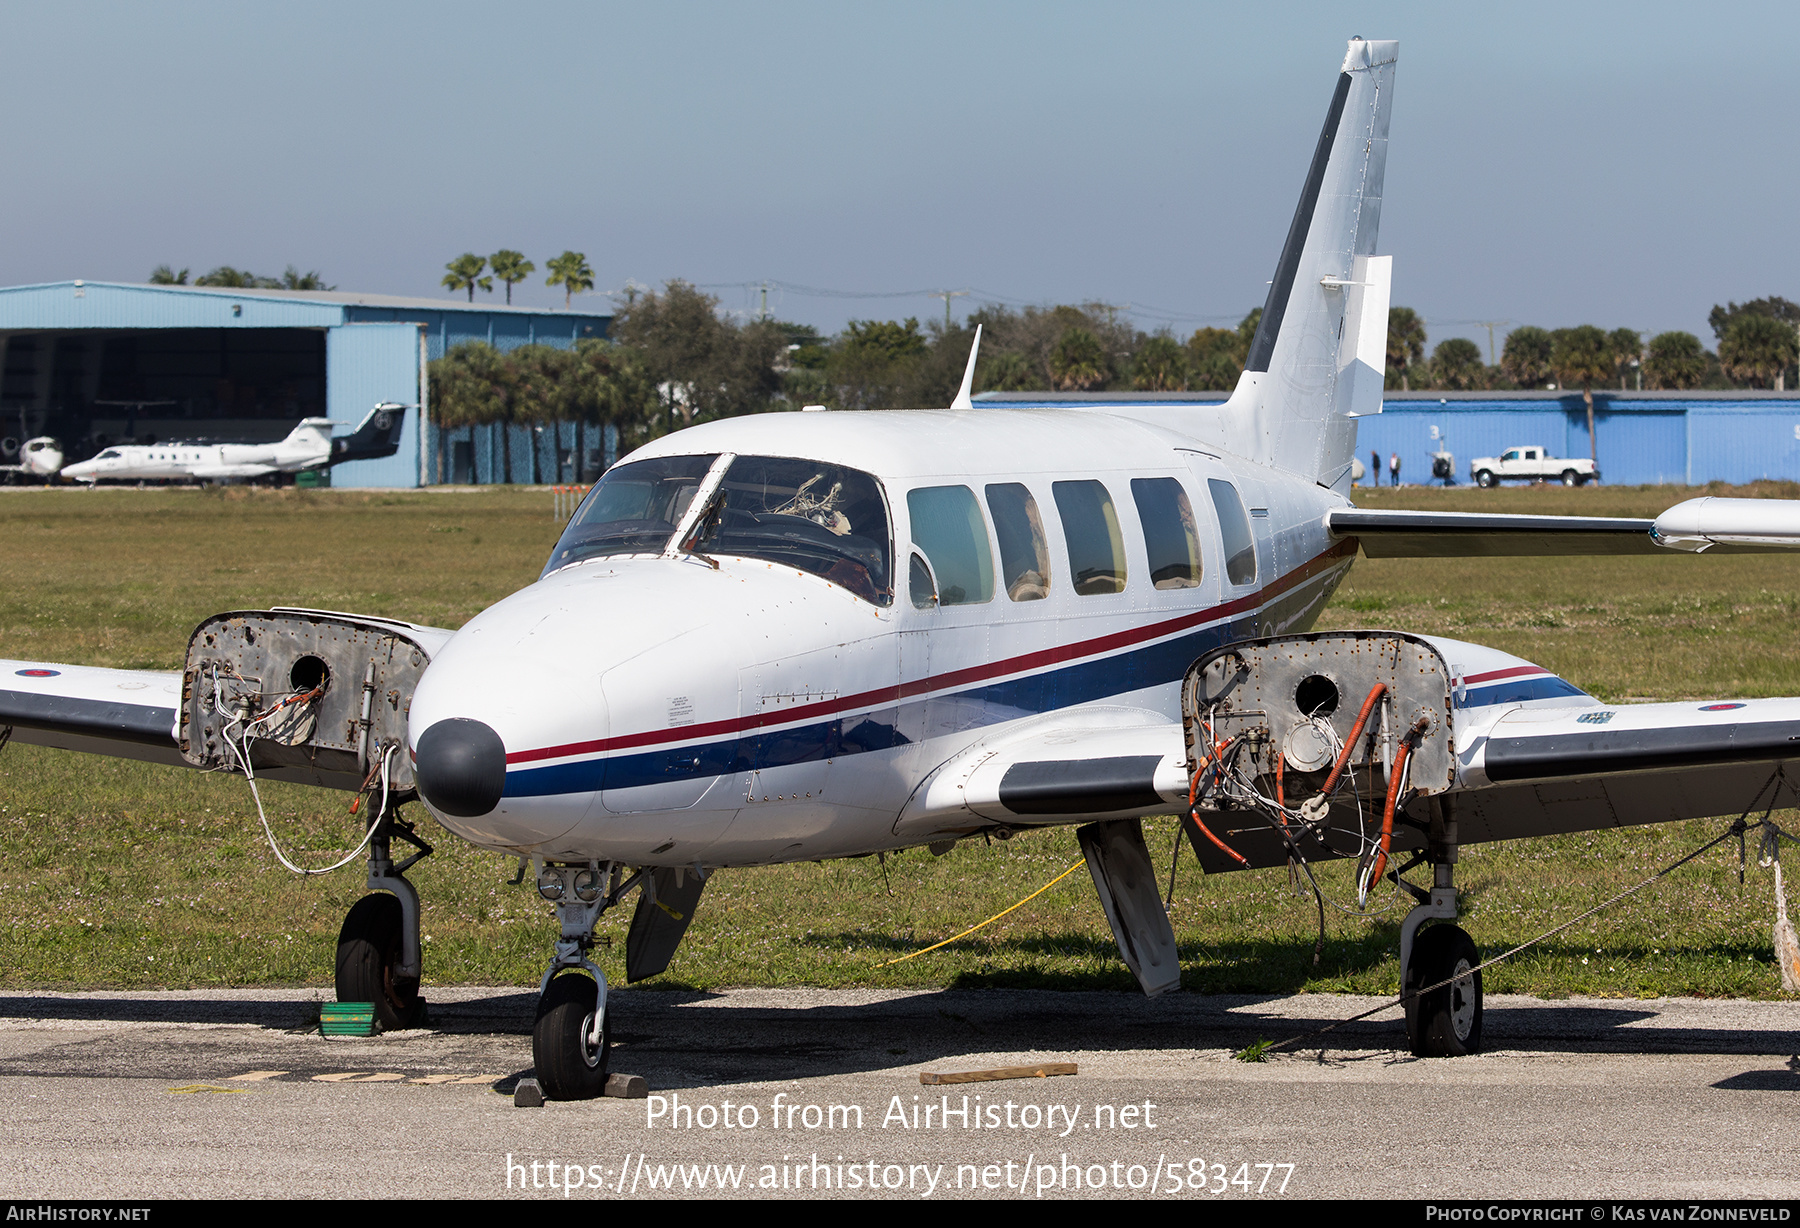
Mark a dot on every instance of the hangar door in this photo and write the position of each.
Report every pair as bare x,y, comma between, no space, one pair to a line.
366,364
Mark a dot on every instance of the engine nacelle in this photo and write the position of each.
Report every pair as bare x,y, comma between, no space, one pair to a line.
307,695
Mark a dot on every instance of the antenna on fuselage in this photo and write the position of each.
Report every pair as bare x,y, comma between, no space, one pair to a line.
963,400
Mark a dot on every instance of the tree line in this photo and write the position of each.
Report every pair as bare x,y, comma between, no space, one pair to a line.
1756,347
674,359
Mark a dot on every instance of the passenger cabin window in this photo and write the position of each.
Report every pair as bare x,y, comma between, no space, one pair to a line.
1234,530
1024,554
808,515
1091,527
947,526
1170,537
631,510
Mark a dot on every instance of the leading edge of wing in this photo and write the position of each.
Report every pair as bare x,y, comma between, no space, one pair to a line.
128,713
1385,534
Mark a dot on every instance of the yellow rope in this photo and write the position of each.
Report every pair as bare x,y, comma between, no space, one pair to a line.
1034,895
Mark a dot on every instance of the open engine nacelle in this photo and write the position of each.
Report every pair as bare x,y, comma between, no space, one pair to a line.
1316,724
310,696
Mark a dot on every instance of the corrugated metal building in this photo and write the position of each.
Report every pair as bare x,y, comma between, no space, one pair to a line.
1645,438
99,362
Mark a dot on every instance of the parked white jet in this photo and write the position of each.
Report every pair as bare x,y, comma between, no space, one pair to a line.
36,459
308,446
801,636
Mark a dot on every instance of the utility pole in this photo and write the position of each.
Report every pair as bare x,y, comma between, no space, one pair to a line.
763,313
1491,326
947,295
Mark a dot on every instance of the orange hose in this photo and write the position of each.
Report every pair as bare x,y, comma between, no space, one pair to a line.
1362,718
1393,796
1194,811
1280,796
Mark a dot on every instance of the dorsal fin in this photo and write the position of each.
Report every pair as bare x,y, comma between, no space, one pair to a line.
963,400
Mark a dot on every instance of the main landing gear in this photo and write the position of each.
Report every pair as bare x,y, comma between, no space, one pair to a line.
378,957
1445,1019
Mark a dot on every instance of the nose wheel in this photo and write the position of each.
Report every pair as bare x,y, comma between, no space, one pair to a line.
569,1043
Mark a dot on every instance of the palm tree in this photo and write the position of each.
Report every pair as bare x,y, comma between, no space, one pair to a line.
1078,362
1457,364
1525,360
1161,366
1675,360
570,271
1583,356
163,275
511,267
465,274
294,279
1406,342
1628,352
1758,349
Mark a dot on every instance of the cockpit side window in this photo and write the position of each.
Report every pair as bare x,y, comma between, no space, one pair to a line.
632,510
1024,554
947,525
815,517
1091,527
1170,538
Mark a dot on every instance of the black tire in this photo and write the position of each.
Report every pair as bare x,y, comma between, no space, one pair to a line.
368,951
1571,478
1484,478
567,1068
1446,1022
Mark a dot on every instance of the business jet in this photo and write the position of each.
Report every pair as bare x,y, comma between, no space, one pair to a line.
308,446
36,460
818,635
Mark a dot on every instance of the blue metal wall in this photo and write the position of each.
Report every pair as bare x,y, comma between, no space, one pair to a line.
366,364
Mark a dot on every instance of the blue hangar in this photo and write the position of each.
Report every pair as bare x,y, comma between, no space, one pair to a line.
94,363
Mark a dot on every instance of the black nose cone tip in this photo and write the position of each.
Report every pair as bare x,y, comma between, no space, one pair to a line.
461,767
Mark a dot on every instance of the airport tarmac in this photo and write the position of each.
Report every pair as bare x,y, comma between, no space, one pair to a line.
233,1093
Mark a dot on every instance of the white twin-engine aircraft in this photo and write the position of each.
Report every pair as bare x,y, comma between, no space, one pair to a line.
308,446
812,635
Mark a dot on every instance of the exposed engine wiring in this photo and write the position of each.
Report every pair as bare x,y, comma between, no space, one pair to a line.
239,742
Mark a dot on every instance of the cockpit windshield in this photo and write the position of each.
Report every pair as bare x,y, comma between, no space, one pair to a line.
809,515
633,509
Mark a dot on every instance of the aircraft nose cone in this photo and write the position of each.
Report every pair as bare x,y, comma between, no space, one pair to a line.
461,767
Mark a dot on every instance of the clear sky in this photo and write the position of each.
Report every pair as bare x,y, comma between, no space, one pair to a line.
1551,163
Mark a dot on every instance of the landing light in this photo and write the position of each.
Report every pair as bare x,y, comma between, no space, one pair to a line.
550,885
587,886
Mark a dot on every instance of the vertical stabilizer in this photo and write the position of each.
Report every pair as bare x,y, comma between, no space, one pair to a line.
1320,353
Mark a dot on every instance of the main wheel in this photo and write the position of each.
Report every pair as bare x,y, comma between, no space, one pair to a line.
1446,1022
568,1066
368,951
1485,478
1571,478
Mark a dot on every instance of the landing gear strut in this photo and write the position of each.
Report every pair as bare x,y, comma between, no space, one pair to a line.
378,957
570,1039
1445,1021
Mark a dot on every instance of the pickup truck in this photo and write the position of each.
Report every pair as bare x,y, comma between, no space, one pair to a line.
1534,465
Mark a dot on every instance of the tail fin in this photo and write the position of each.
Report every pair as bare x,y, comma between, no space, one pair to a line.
376,436
1320,353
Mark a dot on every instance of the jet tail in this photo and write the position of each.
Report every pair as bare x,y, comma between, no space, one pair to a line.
1319,356
376,436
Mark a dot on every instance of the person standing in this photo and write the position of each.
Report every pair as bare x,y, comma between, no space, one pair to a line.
1374,468
1393,469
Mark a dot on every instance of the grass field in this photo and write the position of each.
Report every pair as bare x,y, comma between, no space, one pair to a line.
122,874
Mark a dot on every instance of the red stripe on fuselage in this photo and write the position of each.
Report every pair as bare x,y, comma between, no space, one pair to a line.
1516,671
957,678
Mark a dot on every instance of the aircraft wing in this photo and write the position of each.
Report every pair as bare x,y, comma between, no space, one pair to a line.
1714,525
1104,763
128,713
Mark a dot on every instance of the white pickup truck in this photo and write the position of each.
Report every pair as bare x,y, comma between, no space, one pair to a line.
1533,465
